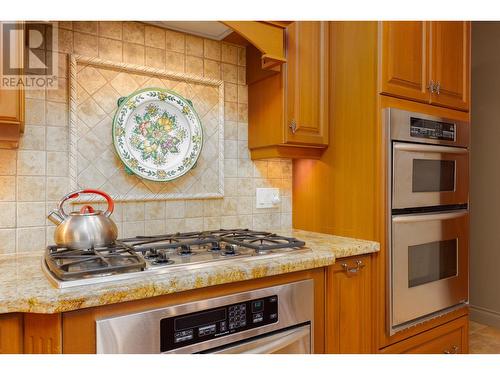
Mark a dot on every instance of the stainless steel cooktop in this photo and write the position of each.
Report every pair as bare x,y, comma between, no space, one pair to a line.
150,255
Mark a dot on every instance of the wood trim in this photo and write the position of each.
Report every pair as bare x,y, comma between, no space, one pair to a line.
268,37
78,326
289,152
11,333
42,334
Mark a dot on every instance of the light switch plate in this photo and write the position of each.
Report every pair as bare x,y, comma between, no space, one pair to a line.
267,197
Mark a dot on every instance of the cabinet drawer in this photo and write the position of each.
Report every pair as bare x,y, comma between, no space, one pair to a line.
449,338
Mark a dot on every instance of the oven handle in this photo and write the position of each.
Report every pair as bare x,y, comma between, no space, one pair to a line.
429,217
429,148
269,344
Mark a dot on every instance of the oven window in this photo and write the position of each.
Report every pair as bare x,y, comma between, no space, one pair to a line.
433,175
431,261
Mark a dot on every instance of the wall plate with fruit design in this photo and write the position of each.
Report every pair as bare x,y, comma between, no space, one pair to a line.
157,134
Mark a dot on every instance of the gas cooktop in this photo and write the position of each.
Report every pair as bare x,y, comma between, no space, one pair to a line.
149,255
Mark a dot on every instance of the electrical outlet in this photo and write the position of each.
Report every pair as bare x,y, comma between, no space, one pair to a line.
267,197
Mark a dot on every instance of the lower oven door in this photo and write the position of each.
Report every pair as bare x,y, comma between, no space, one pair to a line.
290,341
429,261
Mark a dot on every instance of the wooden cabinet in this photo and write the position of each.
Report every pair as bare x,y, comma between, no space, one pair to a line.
426,62
449,55
12,106
288,110
449,338
11,333
349,306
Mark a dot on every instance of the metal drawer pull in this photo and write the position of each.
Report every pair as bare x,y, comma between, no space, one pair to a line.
453,350
293,126
438,87
355,269
431,86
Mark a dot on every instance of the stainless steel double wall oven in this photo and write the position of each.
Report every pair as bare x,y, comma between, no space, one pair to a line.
429,221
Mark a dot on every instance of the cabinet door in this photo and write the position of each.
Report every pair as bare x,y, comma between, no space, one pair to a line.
449,63
404,60
306,78
348,311
11,333
449,338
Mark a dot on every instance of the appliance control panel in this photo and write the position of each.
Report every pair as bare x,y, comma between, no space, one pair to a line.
188,329
423,128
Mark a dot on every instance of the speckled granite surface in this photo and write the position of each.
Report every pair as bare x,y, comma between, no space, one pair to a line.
24,287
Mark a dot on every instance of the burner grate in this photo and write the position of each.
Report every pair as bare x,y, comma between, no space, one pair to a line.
69,264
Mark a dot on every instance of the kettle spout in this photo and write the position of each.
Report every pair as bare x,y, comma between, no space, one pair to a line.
55,217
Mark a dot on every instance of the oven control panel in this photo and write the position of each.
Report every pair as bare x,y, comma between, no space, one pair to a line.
188,329
423,128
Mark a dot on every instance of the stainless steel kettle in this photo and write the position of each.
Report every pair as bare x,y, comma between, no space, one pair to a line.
84,229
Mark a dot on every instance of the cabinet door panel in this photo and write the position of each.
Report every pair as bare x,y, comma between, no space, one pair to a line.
449,63
404,60
307,83
348,314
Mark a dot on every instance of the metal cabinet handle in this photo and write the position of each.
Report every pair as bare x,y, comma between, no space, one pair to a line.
453,350
355,269
438,87
431,86
293,126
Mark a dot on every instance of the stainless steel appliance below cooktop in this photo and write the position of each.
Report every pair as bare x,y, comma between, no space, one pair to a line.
151,255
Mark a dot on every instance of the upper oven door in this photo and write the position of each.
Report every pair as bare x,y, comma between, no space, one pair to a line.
428,175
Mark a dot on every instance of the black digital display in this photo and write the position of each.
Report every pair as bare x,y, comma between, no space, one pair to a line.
188,329
423,128
200,319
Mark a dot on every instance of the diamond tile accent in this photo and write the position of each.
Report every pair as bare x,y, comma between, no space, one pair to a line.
99,87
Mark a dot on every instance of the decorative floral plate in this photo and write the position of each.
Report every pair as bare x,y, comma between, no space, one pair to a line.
157,134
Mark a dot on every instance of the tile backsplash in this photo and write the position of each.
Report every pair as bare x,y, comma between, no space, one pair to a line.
34,177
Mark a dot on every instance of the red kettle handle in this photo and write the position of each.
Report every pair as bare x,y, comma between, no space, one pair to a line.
75,194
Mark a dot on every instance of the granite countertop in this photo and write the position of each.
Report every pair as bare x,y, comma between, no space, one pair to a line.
24,287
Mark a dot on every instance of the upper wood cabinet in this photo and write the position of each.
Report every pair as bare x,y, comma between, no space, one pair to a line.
12,107
426,62
349,306
449,55
288,110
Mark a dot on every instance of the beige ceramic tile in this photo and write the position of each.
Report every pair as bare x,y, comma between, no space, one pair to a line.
230,168
194,65
194,208
85,44
33,138
7,188
175,209
57,114
211,69
133,211
155,57
107,98
59,94
31,163
230,130
35,112
230,111
89,27
57,138
65,25
212,223
124,84
30,188
230,92
110,29
175,225
65,41
7,241
229,53
174,61
230,73
154,227
243,131
155,37
242,56
110,49
30,214
30,239
35,94
230,149
230,186
57,187
243,94
242,79
175,41
155,210
133,228
8,162
194,224
57,163
133,53
245,168
133,32
212,49
194,46
7,214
